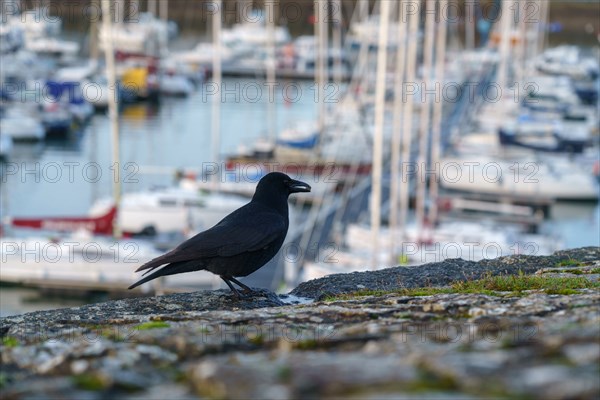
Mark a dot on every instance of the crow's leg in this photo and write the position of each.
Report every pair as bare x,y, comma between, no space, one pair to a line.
233,289
240,284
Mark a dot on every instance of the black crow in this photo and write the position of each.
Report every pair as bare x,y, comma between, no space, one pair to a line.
240,243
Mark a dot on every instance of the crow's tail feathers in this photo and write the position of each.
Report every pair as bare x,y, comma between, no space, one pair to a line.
170,269
155,263
146,279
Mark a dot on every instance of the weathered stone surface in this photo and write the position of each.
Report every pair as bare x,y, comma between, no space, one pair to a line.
199,345
55,322
438,273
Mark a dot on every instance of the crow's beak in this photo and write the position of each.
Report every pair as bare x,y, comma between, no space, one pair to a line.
298,186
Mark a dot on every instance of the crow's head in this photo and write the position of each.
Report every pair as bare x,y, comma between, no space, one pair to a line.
277,182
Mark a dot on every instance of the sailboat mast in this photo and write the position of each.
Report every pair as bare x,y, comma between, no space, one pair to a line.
270,21
113,116
376,170
321,46
469,24
440,57
544,7
337,41
505,28
520,46
152,7
164,39
411,60
216,103
93,43
422,165
397,125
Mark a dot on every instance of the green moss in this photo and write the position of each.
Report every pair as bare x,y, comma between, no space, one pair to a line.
307,344
3,380
151,325
93,382
498,285
9,341
569,262
428,381
565,292
257,339
284,374
112,335
179,375
520,283
573,271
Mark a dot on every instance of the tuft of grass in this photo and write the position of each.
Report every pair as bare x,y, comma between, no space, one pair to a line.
9,341
569,262
257,339
595,271
307,344
152,325
92,382
573,271
428,381
403,259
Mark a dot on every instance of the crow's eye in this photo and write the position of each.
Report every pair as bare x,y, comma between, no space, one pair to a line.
286,181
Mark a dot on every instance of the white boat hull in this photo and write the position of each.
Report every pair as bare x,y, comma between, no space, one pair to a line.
534,180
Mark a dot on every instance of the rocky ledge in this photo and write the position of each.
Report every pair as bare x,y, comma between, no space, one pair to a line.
514,326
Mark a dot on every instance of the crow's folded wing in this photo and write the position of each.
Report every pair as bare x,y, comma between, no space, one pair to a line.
233,237
244,230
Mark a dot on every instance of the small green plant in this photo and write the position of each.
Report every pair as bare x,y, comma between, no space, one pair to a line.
180,376
427,381
9,341
307,344
573,271
403,259
569,262
152,325
257,339
93,382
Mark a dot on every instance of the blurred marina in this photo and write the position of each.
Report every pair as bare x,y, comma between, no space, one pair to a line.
423,138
